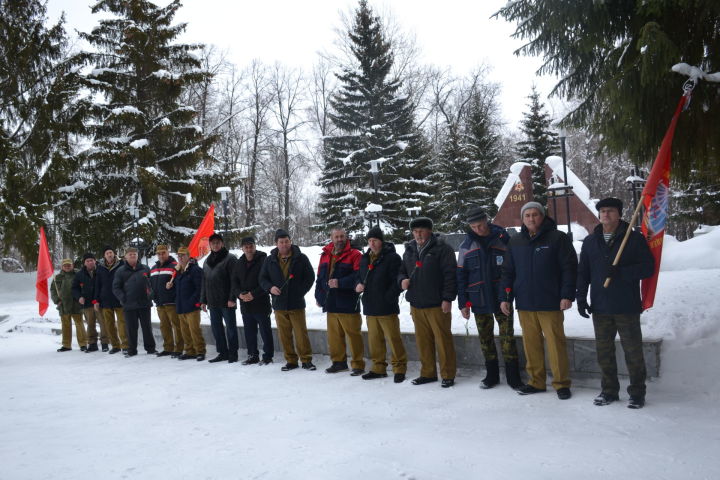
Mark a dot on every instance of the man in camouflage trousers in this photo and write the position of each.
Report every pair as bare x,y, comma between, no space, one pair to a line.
480,260
69,308
617,307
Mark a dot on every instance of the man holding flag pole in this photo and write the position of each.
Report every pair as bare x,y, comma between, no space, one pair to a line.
616,301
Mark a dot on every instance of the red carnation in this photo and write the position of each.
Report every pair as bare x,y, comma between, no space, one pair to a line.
508,290
468,304
371,266
418,264
292,276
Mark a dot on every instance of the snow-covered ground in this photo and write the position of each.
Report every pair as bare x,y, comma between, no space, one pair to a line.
74,414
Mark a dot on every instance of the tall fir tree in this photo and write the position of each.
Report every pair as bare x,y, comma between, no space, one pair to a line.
141,178
540,142
374,122
39,112
466,170
484,147
614,61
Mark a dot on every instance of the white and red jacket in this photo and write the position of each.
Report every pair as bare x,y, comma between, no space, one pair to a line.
160,275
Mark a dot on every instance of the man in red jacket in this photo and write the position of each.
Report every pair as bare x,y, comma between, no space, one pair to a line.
335,293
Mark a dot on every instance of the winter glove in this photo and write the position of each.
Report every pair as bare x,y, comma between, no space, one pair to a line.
584,309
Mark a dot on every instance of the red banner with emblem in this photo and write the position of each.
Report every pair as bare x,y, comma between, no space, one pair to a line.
655,198
200,244
44,273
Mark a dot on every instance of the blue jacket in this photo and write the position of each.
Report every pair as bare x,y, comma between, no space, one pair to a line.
343,299
540,271
479,270
622,296
103,284
188,286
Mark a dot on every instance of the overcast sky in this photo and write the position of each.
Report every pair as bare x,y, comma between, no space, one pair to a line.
454,33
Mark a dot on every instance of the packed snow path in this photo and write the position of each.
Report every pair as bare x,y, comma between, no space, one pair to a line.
98,415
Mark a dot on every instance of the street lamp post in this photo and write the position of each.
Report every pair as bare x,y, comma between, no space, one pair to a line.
224,192
636,183
567,192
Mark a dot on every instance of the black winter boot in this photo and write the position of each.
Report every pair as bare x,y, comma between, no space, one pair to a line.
512,374
492,377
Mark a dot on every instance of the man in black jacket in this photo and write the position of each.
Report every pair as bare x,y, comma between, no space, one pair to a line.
107,304
428,273
254,302
287,275
539,271
217,297
377,282
617,308
132,287
161,276
83,289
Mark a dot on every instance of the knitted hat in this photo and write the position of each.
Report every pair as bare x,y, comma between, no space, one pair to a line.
375,232
247,241
476,214
88,255
161,248
536,205
280,233
610,202
421,222
216,236
67,261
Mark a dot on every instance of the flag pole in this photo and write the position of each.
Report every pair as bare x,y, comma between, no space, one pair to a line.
625,239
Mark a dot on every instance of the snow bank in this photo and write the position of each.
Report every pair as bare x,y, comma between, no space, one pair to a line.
699,253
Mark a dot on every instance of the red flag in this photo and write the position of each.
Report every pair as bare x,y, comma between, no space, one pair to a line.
44,272
655,198
200,245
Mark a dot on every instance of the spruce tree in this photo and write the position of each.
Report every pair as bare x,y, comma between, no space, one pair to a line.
484,148
141,178
614,61
374,122
455,180
39,112
540,142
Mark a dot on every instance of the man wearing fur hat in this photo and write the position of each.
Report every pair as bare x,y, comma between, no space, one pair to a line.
379,268
616,308
69,308
84,292
480,260
107,304
428,274
161,276
539,272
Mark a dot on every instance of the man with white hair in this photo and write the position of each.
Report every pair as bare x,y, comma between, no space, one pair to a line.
539,272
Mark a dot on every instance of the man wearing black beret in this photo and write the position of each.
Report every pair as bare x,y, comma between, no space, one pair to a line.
617,307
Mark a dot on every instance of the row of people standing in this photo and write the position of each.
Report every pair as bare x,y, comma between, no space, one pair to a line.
537,269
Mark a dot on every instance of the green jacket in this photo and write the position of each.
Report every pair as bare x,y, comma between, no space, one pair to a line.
61,289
